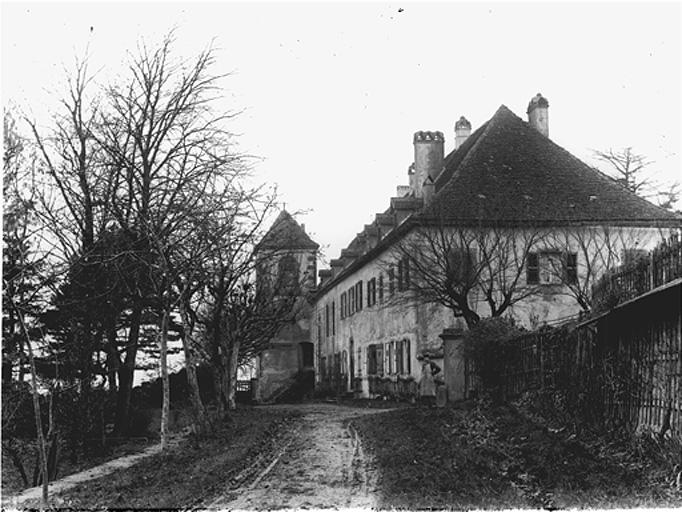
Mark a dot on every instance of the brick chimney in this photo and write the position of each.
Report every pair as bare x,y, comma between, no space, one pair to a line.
325,276
428,158
462,131
538,116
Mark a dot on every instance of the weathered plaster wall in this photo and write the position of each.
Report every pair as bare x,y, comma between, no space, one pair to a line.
422,324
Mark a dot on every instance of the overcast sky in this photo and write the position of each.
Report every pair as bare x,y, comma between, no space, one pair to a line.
332,93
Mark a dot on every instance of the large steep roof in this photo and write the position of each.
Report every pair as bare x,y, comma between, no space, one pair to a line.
286,233
507,171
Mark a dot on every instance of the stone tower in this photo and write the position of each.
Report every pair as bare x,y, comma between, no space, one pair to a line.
286,368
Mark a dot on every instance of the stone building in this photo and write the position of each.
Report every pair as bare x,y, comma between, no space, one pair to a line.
287,365
507,177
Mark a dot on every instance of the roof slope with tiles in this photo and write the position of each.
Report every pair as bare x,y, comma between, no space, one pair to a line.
286,233
508,172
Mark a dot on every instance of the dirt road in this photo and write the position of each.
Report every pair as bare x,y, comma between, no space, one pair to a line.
320,464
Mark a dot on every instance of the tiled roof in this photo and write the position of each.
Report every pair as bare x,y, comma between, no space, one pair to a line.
507,171
286,233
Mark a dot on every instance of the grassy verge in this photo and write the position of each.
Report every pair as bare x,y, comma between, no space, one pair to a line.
11,480
498,458
189,475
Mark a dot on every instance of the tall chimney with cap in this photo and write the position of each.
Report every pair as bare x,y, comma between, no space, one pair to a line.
428,158
462,131
538,116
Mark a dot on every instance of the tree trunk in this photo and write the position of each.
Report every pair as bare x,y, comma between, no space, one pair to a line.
232,383
217,373
126,373
165,408
225,380
42,449
113,360
198,410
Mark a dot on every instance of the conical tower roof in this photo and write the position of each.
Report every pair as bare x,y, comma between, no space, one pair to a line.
286,233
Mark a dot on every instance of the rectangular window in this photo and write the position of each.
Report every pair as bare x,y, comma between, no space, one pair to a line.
371,360
358,296
343,306
326,319
337,364
462,263
389,353
319,327
391,281
351,301
333,318
408,357
380,359
381,288
551,268
399,367
571,268
358,370
371,292
400,276
532,268
323,368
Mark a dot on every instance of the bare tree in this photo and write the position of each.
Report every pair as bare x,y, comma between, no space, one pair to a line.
632,171
459,267
168,148
245,304
588,252
23,281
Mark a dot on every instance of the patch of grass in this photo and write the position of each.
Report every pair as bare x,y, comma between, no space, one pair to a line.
188,475
495,457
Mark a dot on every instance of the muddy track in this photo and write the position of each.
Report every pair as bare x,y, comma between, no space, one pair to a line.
319,463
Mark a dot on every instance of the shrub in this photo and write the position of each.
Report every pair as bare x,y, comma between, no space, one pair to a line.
488,346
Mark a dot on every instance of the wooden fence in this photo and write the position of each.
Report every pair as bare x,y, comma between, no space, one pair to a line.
621,369
662,265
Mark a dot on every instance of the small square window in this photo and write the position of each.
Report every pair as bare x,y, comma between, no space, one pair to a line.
532,268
